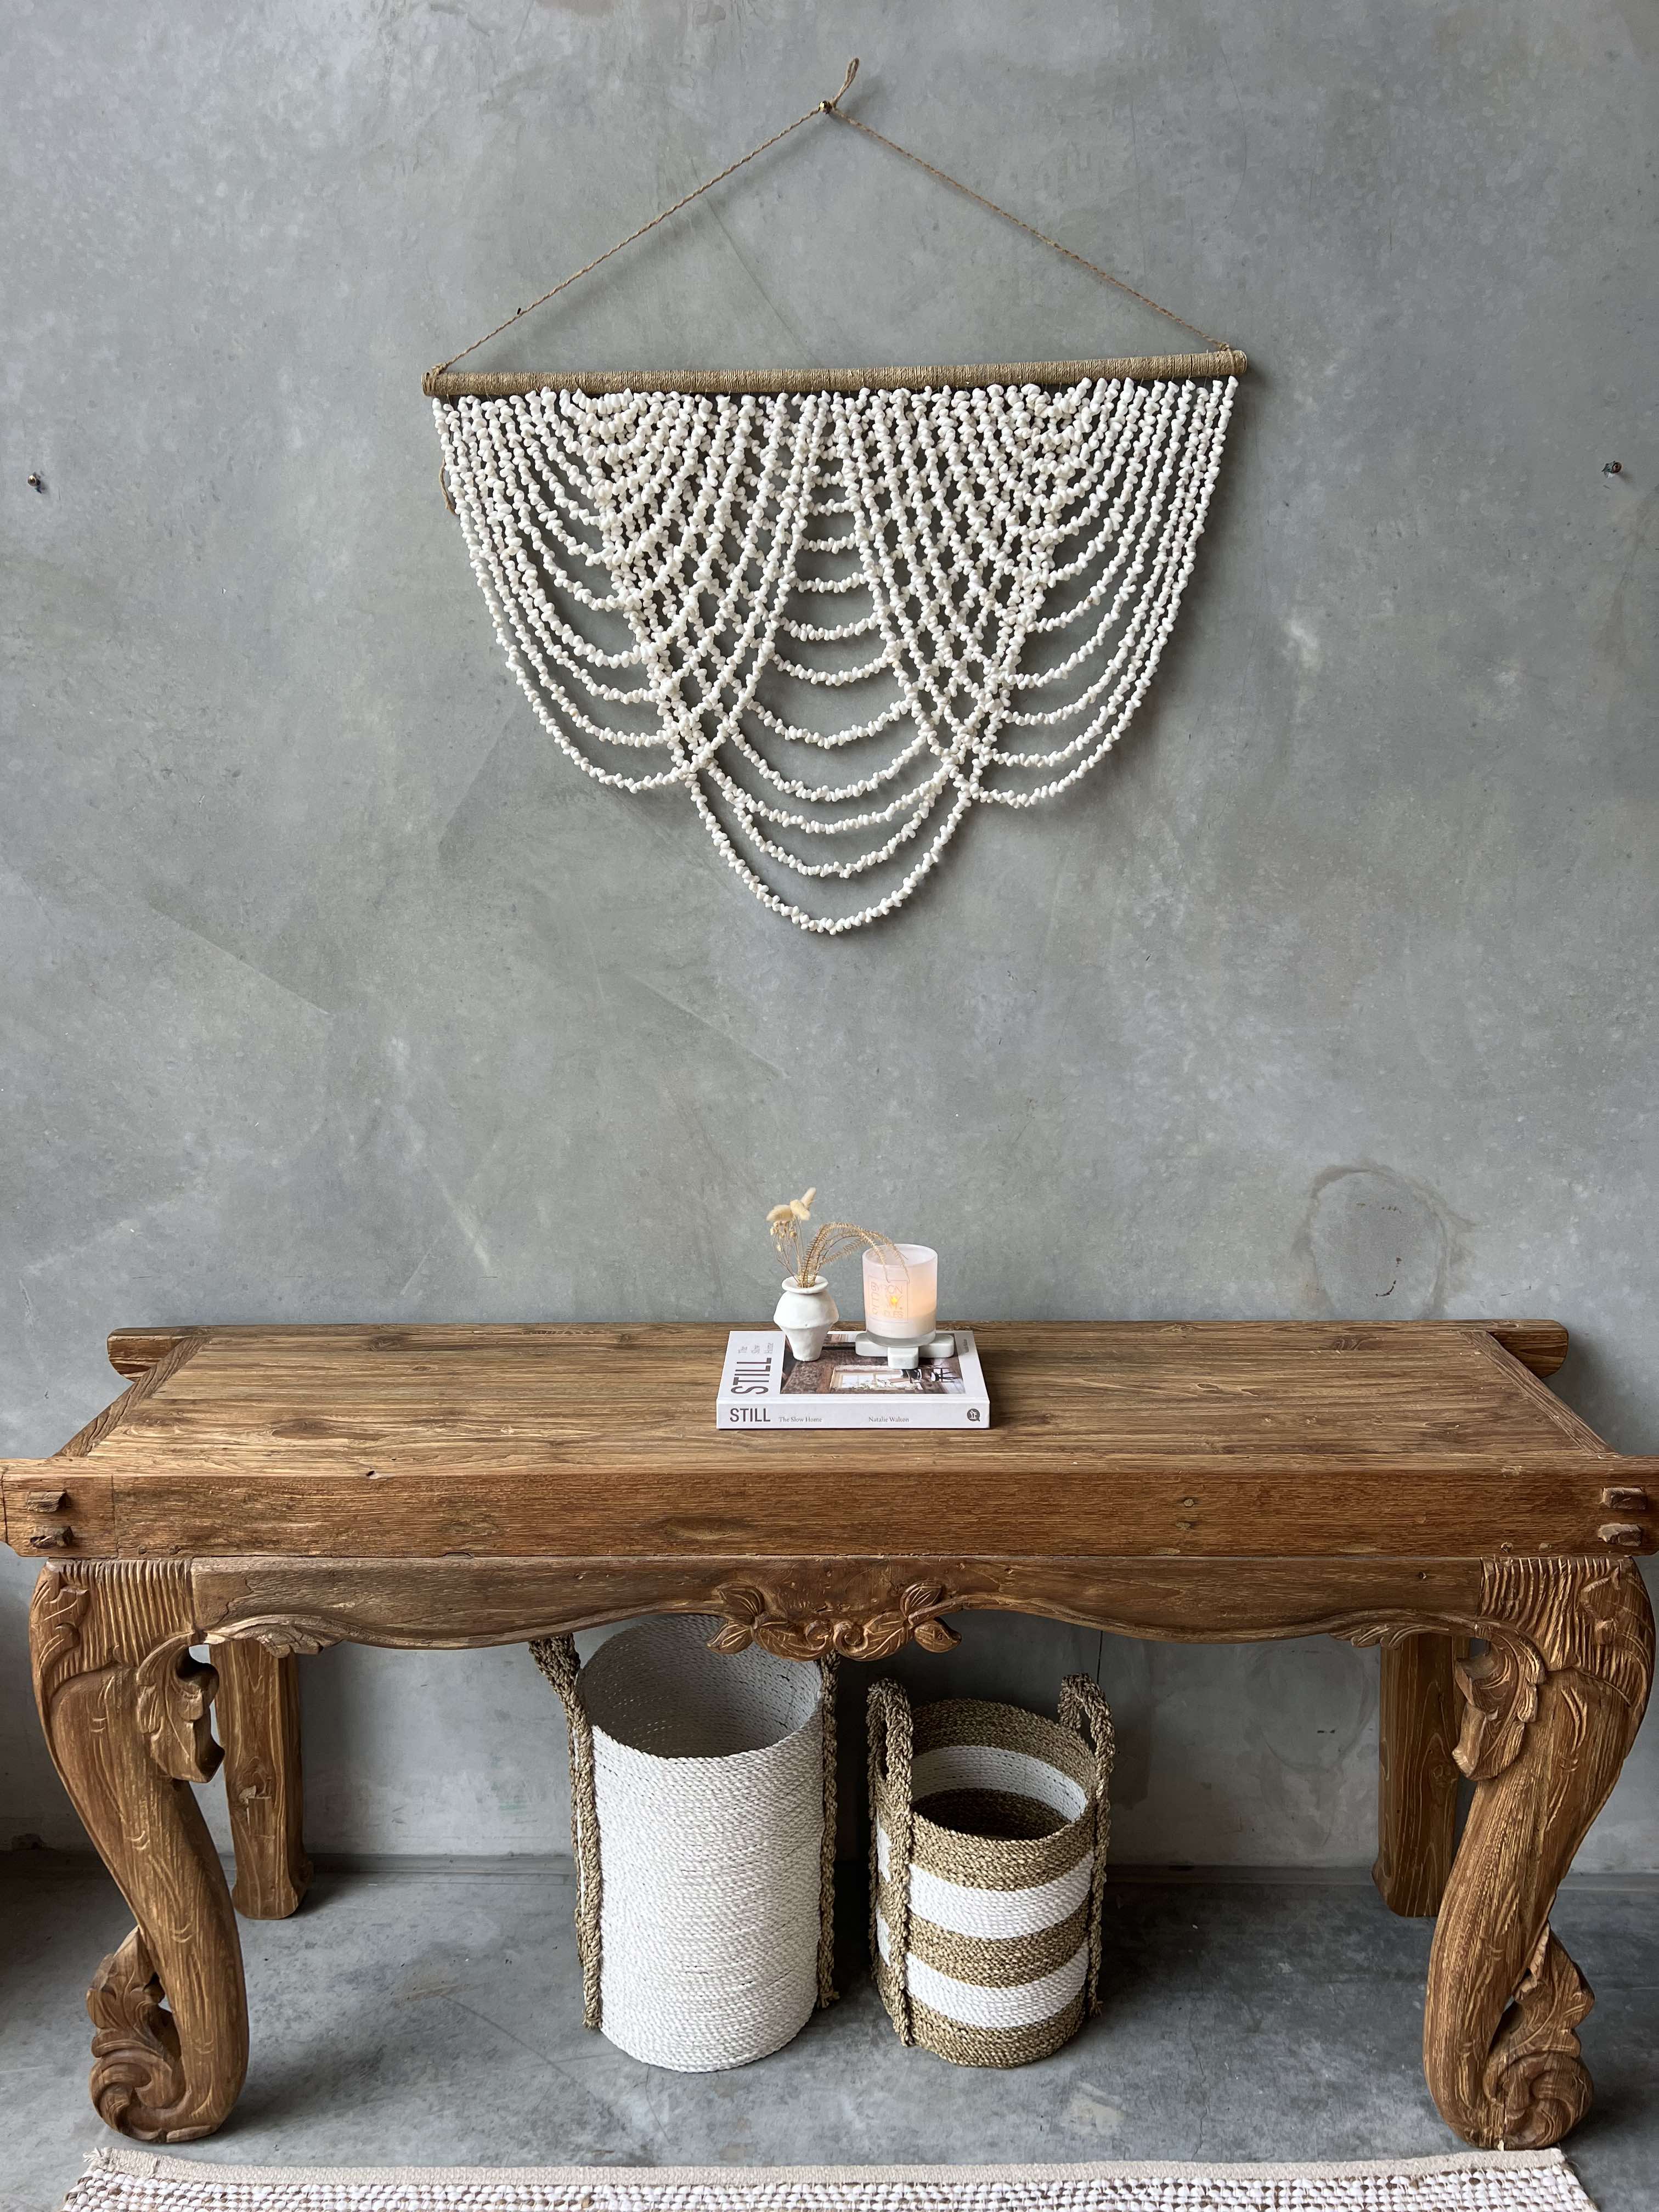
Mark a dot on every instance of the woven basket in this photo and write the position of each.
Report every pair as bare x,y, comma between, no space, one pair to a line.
989,1829
702,1818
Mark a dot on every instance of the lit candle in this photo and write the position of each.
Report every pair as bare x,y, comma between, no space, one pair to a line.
901,1294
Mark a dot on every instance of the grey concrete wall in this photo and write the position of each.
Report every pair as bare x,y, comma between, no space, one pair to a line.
329,991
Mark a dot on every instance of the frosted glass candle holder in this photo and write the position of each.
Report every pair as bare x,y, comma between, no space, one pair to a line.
901,1303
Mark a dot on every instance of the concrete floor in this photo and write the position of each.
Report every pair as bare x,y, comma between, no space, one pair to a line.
425,2014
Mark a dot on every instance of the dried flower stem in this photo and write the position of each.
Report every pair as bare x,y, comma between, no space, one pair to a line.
834,1241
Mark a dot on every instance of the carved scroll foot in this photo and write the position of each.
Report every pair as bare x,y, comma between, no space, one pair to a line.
125,1711
1552,1708
136,2068
1534,2077
259,1707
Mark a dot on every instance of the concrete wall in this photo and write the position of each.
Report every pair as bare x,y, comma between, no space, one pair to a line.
330,990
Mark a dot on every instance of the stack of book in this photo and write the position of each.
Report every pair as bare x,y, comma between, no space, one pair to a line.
764,1386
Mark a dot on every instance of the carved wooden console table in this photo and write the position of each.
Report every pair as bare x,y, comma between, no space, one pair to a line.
267,1492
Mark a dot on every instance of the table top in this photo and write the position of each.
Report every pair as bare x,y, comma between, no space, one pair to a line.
1436,1439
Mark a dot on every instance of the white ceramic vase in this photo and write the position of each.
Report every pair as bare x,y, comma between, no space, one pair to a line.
806,1315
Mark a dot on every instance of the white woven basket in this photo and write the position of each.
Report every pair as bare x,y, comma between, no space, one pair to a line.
702,1816
989,1828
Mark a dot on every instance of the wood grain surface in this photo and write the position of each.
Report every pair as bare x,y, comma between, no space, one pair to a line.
298,1604
1116,1439
259,1713
272,1492
1549,1708
1417,1716
126,1710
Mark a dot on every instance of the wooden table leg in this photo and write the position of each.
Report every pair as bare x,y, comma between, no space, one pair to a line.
1418,1777
1553,1707
258,1711
125,1711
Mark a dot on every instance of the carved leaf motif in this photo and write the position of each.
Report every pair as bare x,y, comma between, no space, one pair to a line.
175,1695
1383,1633
291,1640
732,1638
937,1636
744,1608
1500,1695
57,1609
137,2075
1499,1687
752,1616
1587,1616
921,1606
879,1638
1617,1631
1534,2077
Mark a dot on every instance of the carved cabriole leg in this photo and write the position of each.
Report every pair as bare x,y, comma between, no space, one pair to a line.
125,1711
1418,1776
1553,1707
258,1709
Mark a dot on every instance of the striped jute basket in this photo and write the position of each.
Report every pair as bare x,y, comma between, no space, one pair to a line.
702,1816
989,1829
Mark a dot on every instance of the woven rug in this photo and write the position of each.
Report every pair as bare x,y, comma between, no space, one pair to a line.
1477,2181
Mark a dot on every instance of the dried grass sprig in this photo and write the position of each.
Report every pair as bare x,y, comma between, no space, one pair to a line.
832,1240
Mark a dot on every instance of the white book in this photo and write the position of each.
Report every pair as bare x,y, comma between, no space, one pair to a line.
764,1386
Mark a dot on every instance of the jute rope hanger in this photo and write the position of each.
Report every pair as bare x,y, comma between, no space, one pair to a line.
1220,360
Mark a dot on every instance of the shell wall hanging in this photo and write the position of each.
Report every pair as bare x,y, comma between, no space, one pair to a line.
838,609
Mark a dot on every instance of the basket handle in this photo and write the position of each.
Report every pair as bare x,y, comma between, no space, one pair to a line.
829,1672
557,1657
1084,1710
889,1725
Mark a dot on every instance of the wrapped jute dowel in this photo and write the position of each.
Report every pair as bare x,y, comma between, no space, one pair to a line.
702,1823
989,1832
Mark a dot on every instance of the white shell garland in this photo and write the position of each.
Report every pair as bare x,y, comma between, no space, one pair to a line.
989,576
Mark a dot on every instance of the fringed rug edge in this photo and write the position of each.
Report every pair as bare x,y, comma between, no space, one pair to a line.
155,2166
